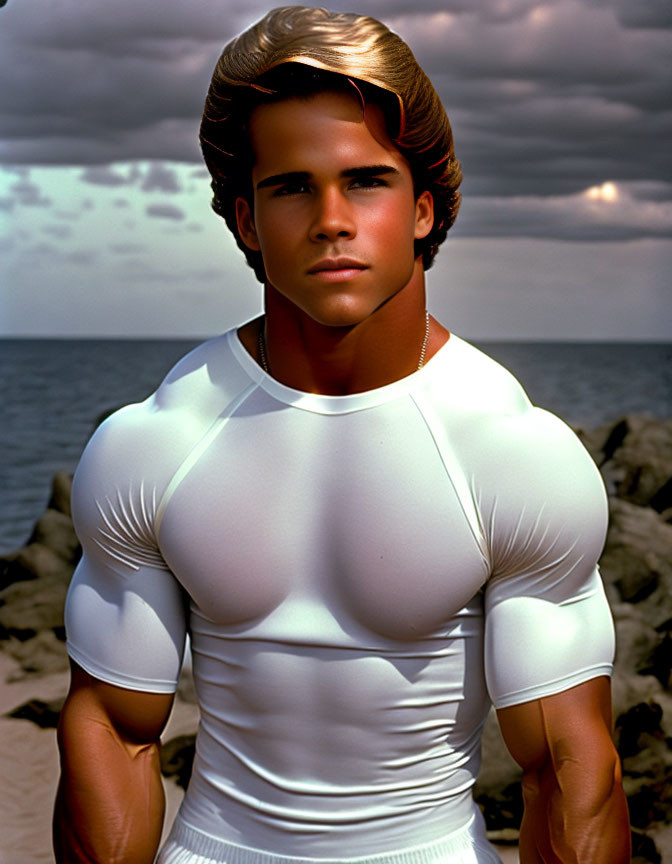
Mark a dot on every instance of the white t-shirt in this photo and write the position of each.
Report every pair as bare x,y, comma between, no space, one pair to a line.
363,575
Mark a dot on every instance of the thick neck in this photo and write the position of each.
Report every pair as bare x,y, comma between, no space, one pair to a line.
338,361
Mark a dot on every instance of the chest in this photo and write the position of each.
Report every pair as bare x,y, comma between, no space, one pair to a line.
352,516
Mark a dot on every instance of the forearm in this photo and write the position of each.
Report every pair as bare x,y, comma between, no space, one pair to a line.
110,802
576,814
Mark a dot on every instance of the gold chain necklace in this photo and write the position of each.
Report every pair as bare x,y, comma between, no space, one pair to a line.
263,358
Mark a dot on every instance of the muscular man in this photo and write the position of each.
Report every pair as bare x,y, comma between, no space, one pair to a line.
367,530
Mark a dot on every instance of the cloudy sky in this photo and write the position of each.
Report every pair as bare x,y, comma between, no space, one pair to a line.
562,118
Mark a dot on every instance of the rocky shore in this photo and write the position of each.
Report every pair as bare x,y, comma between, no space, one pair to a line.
635,457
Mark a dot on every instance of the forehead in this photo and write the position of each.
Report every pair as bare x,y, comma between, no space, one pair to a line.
329,126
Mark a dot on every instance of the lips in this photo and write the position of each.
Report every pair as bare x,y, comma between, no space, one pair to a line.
337,264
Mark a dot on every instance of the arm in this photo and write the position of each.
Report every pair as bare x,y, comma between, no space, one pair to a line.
110,801
575,807
125,621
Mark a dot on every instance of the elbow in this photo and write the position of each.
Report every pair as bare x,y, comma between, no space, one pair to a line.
588,816
592,780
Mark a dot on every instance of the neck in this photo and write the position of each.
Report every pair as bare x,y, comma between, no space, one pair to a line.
384,347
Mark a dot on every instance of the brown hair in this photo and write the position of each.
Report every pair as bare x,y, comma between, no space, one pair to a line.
344,46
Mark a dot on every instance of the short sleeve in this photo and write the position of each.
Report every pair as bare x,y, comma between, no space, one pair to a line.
548,626
125,614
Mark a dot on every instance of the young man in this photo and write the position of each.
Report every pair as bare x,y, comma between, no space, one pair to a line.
375,532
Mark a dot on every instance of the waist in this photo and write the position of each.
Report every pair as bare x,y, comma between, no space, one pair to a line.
466,844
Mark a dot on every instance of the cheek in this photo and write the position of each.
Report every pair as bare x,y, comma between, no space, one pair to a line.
276,236
393,226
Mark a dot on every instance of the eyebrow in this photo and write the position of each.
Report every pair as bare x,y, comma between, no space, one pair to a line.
303,176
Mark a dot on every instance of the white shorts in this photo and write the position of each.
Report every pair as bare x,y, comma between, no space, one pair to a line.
467,845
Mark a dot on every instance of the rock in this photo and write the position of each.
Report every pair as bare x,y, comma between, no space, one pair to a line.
53,549
644,849
641,447
638,558
61,488
32,606
34,561
642,719
635,457
636,640
44,654
43,714
177,756
54,530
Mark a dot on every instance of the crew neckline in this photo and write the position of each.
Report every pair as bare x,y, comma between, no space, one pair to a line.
322,403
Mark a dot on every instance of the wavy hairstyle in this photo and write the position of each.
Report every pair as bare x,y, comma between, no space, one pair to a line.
320,50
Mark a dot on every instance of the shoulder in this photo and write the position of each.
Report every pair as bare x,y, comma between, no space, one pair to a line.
526,451
141,445
532,482
205,380
540,495
465,382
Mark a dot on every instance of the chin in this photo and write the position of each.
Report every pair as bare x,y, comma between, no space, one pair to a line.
348,317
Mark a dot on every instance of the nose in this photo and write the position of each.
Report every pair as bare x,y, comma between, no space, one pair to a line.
333,218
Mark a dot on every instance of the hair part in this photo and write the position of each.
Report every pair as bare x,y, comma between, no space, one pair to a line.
299,51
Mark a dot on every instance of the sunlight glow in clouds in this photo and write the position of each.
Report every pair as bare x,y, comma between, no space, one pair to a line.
606,192
441,19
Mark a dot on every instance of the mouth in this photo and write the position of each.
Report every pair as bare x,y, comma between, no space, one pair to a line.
335,269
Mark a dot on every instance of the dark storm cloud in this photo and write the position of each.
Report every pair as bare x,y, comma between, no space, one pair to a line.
545,98
127,248
28,194
558,99
159,178
61,232
102,175
156,177
82,257
165,211
644,13
600,214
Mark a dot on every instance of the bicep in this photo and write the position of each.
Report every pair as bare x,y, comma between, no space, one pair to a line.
127,628
574,724
137,718
539,645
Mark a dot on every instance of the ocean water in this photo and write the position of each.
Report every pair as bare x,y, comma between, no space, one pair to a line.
52,393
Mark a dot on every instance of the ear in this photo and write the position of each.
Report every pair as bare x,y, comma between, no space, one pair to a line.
424,214
245,222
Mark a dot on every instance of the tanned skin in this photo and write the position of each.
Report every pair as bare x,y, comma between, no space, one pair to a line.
330,185
110,801
575,807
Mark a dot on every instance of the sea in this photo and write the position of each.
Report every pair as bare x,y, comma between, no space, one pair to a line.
54,392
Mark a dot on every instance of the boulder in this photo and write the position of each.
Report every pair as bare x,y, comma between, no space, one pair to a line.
34,561
61,488
29,607
44,654
635,455
54,529
637,558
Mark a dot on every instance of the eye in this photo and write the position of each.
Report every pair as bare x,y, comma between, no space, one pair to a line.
367,182
290,189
